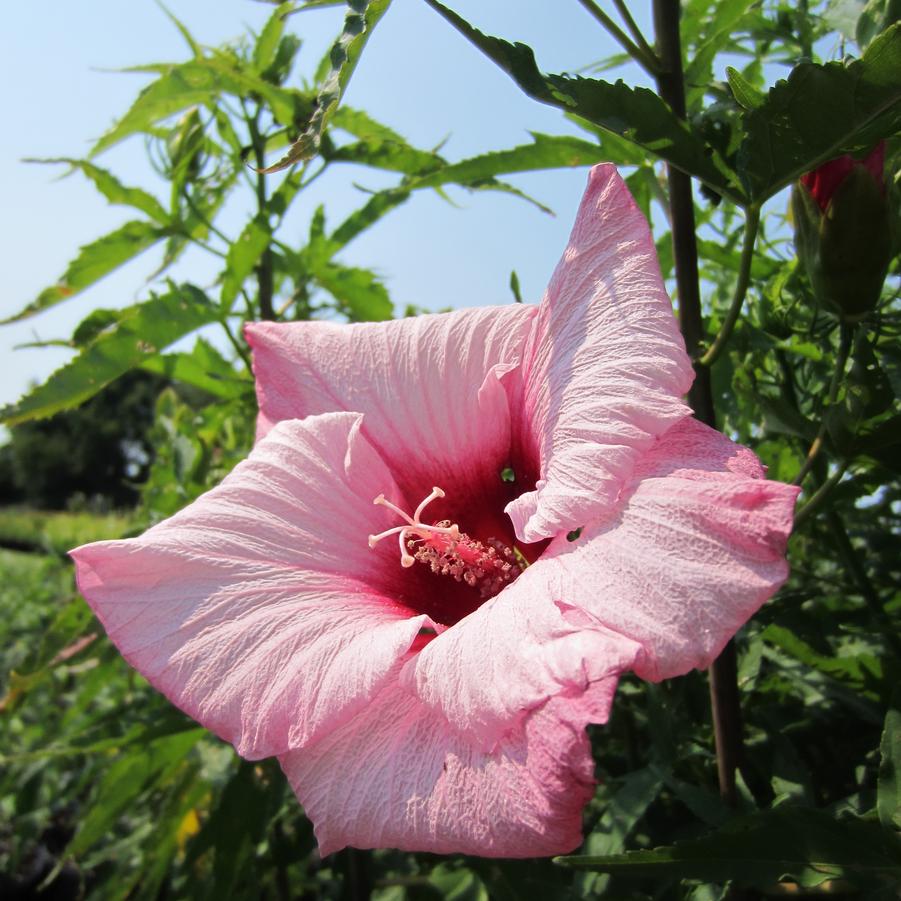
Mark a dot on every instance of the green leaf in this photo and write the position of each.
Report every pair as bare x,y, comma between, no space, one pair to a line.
92,325
361,125
637,114
745,94
197,82
361,19
267,43
143,331
368,214
720,25
889,792
95,260
545,152
360,295
113,190
820,112
126,779
204,367
806,846
243,256
856,669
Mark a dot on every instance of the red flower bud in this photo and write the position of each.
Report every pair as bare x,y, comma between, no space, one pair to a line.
842,232
824,181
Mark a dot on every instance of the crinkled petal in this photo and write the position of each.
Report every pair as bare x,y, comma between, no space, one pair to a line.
697,546
523,647
397,776
604,369
416,380
259,610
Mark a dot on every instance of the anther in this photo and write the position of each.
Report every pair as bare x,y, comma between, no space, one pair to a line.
413,527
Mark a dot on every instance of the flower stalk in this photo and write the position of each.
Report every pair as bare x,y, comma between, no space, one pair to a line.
841,361
752,221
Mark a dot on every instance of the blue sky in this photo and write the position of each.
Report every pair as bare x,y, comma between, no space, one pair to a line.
417,76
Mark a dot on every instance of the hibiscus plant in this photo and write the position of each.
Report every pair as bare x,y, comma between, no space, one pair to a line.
511,585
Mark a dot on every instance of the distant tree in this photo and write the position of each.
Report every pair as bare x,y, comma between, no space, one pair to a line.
99,451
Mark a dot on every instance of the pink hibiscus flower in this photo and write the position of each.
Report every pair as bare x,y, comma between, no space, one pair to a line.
424,660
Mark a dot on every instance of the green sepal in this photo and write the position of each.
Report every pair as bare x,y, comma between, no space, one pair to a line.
847,249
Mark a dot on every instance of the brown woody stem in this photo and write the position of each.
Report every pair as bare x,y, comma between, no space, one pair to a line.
724,694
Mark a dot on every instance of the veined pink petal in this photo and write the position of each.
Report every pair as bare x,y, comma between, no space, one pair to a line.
604,369
416,380
697,546
397,776
514,653
259,610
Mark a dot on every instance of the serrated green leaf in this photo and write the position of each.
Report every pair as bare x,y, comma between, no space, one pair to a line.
637,114
545,152
267,43
243,256
393,156
142,331
358,221
113,190
92,325
745,94
819,112
360,295
95,260
195,48
889,789
204,367
719,28
361,19
805,846
361,125
197,82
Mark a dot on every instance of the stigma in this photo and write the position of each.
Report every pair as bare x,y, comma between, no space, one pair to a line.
447,551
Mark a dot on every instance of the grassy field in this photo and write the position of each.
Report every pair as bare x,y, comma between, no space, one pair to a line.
57,532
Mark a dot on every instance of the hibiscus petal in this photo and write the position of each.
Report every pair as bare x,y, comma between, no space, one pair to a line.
696,548
513,654
604,368
416,380
259,610
397,776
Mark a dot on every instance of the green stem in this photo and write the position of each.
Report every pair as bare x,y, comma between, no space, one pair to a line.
752,221
817,498
265,266
841,361
632,25
645,58
236,344
186,194
724,693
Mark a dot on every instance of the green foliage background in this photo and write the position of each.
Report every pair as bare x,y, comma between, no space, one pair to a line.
106,791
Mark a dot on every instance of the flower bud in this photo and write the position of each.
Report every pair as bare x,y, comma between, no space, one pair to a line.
842,232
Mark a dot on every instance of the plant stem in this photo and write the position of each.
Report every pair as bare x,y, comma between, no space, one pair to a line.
841,361
819,496
752,221
724,695
236,344
264,267
632,25
644,57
